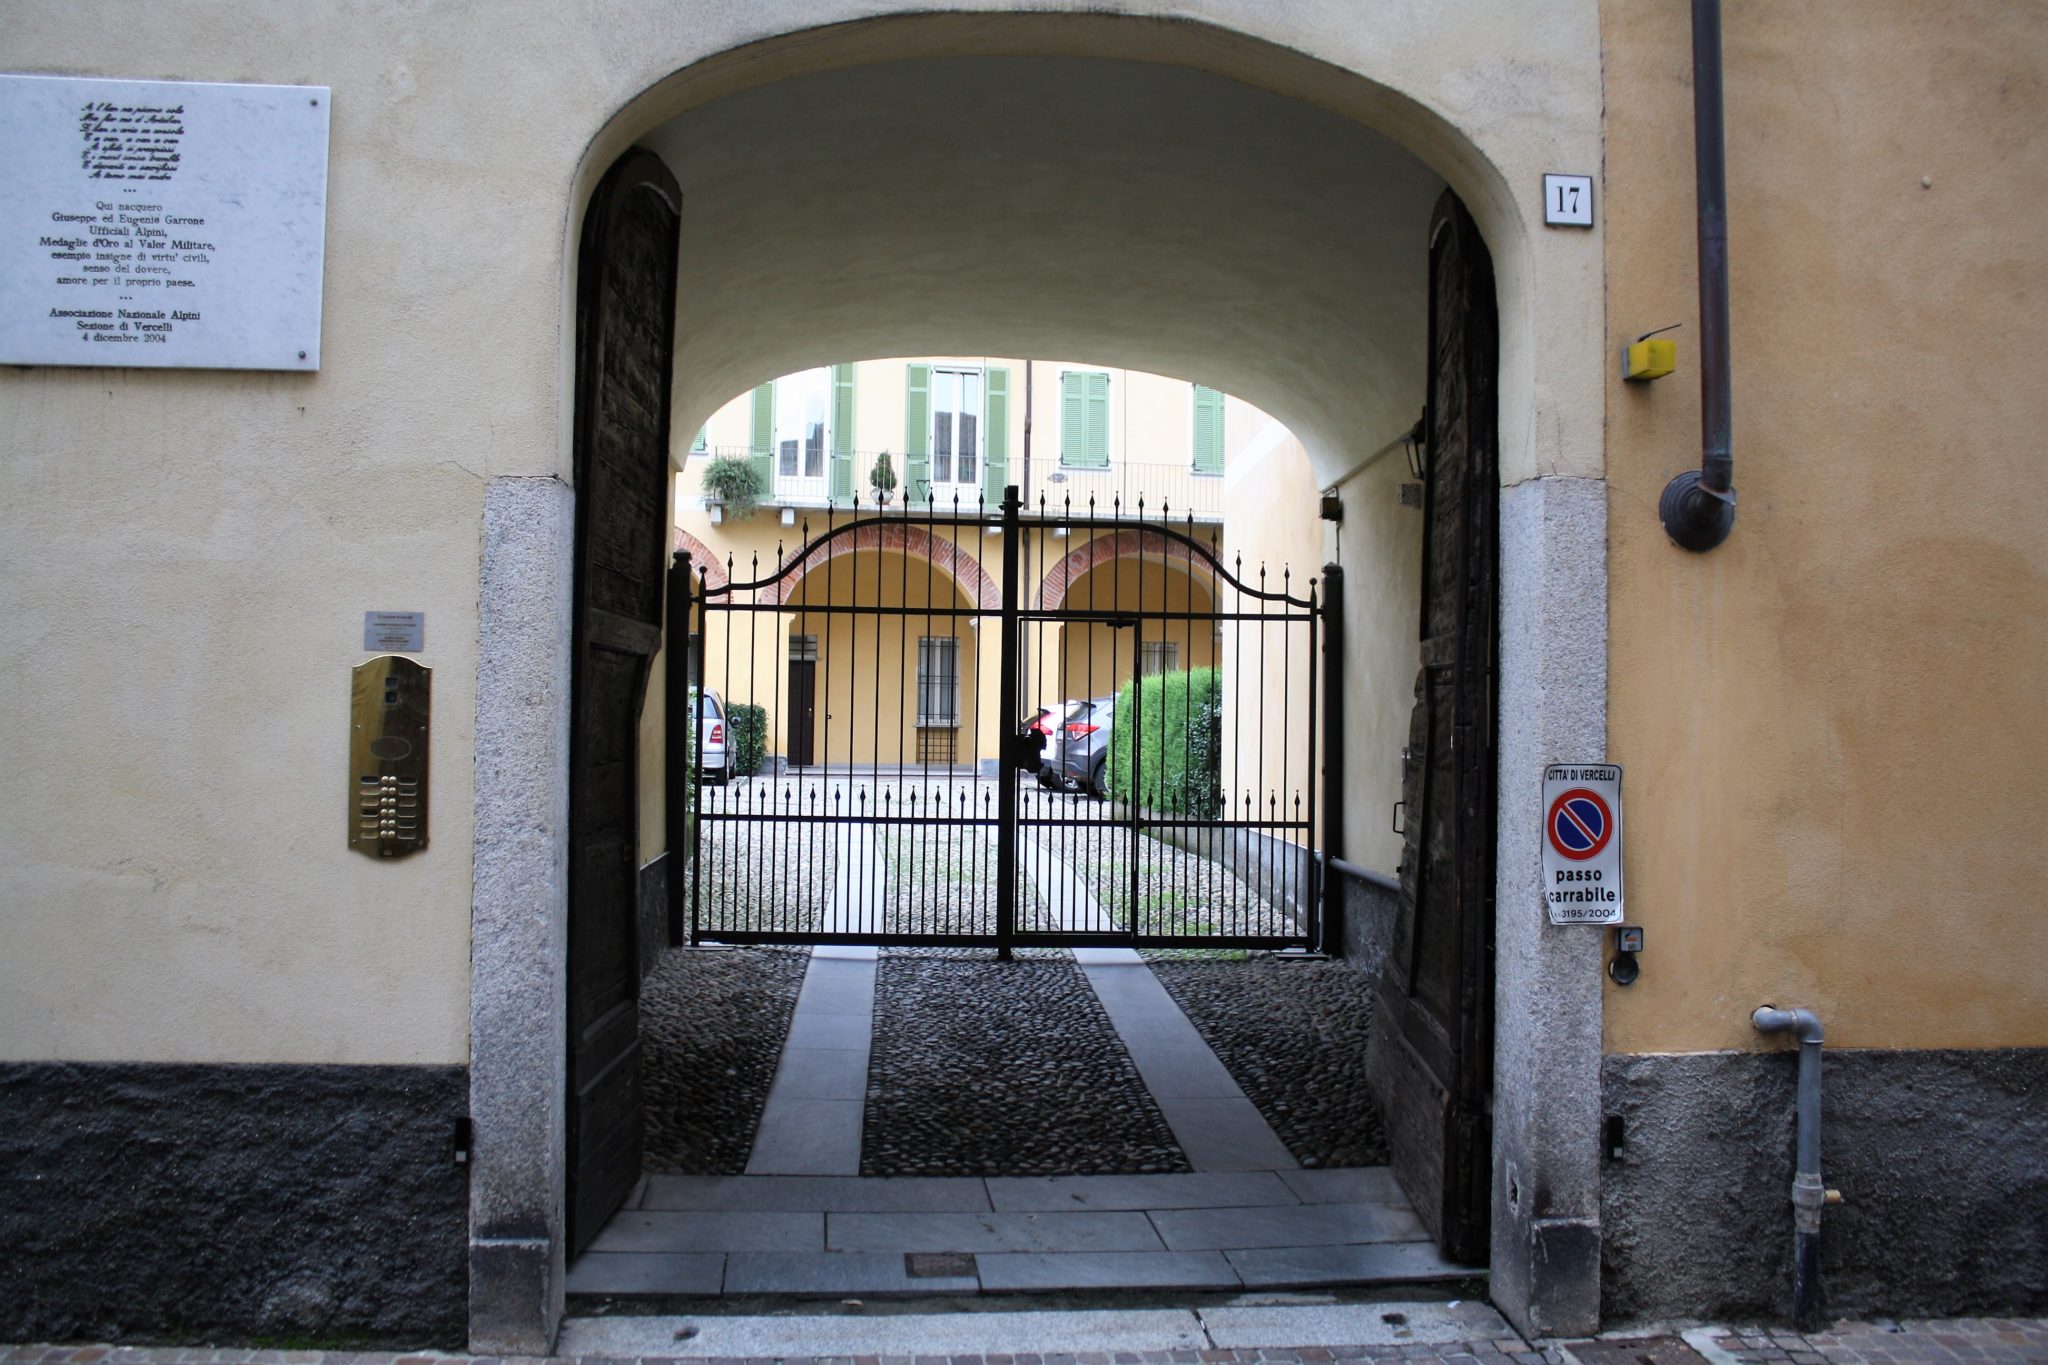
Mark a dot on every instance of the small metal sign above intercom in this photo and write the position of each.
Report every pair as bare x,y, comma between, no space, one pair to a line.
390,706
1582,842
394,632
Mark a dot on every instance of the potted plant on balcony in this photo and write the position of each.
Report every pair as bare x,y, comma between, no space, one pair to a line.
730,484
882,478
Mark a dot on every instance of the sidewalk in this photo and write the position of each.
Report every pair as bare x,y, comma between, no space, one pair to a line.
1224,1336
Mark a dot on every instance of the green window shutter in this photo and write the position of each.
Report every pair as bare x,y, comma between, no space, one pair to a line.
1208,430
1098,421
842,431
917,436
761,443
697,446
1074,419
995,438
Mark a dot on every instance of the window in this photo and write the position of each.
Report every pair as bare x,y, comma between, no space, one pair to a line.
1158,656
800,403
1084,419
1208,430
938,680
699,446
956,426
803,649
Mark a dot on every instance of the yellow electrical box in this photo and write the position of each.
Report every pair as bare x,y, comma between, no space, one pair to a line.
1651,358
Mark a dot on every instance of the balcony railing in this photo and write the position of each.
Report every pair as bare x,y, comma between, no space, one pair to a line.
1172,490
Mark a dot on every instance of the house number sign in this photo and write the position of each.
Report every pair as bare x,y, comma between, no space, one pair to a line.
1568,200
161,223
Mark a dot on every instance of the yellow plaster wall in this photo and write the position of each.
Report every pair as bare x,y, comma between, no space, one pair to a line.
189,553
1273,529
1837,778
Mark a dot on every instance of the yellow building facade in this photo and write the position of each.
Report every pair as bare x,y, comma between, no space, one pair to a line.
1834,790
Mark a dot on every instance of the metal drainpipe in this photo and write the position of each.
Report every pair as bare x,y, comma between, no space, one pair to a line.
1698,507
1809,1196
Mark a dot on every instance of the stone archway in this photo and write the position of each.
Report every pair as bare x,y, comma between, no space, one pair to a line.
1297,293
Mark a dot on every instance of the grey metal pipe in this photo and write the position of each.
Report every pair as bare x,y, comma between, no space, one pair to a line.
1698,507
1809,1195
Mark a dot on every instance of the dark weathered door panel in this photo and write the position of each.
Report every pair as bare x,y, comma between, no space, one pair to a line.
1430,1060
803,710
625,338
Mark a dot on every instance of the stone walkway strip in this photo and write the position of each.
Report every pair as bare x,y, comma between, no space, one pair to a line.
811,1124
1215,1124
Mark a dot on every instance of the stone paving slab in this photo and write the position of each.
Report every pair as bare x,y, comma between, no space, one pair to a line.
821,1073
818,1193
829,992
647,1272
1347,1185
979,1232
1199,1190
807,1137
1301,1225
822,1030
1223,1134
1158,1337
1354,1323
834,1272
638,1230
1044,1271
1308,1267
907,1335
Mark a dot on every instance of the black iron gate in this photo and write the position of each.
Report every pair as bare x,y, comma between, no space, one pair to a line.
861,772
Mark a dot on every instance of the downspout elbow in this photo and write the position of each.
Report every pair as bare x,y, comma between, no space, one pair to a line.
1698,507
1802,1024
1809,1194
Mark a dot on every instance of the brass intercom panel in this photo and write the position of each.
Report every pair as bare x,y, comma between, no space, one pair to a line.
389,709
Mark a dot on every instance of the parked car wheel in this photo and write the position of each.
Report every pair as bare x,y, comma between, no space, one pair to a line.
1095,778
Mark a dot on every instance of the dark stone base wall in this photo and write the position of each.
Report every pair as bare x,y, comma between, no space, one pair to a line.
1941,1158
266,1204
1368,928
653,914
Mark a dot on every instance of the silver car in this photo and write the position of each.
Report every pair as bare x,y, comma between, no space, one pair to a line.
1079,754
712,765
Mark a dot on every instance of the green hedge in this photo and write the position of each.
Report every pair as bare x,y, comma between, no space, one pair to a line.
746,738
1180,743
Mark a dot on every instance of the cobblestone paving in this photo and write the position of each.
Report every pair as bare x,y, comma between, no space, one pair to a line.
1293,1035
712,1023
1987,1341
1178,892
985,1068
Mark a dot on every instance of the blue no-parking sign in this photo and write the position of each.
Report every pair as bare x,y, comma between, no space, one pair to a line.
1582,843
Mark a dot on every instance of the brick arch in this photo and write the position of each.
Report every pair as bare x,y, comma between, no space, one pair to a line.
702,557
1100,550
897,537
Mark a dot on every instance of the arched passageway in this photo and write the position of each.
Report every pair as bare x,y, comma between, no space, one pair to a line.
1005,194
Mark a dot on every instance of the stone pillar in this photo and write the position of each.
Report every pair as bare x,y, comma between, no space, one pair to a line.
519,917
1547,995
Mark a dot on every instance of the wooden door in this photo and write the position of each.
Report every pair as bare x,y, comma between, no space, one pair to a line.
803,710
1431,1054
625,339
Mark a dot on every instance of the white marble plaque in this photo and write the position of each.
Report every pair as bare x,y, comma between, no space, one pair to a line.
161,223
